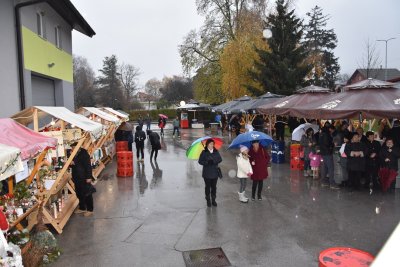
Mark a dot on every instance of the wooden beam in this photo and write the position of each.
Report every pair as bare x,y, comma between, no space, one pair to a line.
35,120
39,163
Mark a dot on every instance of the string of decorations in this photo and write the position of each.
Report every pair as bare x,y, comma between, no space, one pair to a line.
9,164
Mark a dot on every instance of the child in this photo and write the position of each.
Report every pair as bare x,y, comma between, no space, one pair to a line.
315,161
244,172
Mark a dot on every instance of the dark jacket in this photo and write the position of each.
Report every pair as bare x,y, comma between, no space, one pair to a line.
82,169
305,140
355,163
259,162
140,136
210,163
393,156
155,140
395,134
325,142
372,147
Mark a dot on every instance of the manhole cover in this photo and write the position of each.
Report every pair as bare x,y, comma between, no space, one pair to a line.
212,257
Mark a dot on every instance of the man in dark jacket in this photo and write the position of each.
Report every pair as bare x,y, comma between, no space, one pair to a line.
372,168
140,136
155,144
356,154
82,178
326,146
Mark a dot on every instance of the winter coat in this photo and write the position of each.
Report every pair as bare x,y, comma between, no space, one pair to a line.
305,140
393,156
140,136
155,140
175,123
355,163
259,161
326,143
82,169
315,159
161,123
210,163
244,166
372,147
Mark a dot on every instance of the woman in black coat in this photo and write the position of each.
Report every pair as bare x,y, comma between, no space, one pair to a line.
210,158
82,178
356,153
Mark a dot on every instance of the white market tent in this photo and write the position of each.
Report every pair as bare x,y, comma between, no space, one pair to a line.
10,161
115,112
104,115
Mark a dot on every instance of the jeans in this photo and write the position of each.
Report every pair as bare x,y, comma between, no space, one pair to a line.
243,182
211,187
176,129
139,149
148,126
155,152
256,184
327,168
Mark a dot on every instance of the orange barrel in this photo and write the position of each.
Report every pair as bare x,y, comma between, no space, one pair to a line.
295,150
296,164
344,257
122,146
124,163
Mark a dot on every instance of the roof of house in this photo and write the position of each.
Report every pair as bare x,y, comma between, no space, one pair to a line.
68,11
379,74
141,96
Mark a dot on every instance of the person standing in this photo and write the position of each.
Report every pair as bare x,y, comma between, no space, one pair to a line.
140,121
155,144
315,161
82,178
259,159
140,136
175,123
244,171
326,146
356,153
307,142
161,125
372,157
389,156
209,159
280,129
343,158
148,122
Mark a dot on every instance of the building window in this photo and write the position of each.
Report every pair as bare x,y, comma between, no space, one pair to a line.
57,32
41,30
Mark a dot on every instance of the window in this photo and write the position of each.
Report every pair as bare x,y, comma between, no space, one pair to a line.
41,31
57,32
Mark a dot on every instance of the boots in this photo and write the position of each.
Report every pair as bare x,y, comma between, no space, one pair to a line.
213,202
305,173
208,201
243,198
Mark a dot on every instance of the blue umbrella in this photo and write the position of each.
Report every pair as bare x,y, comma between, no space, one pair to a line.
245,139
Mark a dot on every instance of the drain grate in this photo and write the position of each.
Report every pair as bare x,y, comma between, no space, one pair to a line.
211,257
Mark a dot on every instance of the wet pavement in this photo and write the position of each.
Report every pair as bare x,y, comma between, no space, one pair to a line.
148,220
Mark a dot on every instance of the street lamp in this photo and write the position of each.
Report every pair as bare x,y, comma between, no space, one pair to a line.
386,42
267,33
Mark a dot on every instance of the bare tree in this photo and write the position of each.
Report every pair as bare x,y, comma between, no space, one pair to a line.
84,91
128,74
370,59
153,87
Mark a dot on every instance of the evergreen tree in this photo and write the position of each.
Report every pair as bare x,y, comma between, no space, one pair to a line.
320,44
282,68
110,92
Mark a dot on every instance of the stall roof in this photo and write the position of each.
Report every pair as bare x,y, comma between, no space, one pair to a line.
10,161
226,107
103,115
29,142
312,89
189,106
369,83
259,101
118,113
95,129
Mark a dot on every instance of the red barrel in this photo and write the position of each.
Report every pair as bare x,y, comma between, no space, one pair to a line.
296,163
122,146
124,164
344,257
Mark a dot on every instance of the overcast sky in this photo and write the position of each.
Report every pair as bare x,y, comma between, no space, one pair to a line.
146,34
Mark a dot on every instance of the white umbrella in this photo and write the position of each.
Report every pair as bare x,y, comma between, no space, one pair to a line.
301,130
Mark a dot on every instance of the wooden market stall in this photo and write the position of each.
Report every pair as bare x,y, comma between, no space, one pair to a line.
122,116
59,196
104,149
22,153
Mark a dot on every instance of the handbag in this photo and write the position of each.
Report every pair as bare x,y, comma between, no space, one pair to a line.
219,172
90,190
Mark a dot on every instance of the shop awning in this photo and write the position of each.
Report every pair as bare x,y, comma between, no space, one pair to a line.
228,106
95,129
104,115
259,101
10,161
29,142
119,114
189,106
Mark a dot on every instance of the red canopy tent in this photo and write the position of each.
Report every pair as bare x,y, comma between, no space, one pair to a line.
301,97
369,98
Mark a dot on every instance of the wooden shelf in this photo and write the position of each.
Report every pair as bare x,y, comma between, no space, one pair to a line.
96,172
23,216
64,215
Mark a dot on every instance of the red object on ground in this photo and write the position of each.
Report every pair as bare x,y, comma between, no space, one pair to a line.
122,146
124,164
184,124
344,257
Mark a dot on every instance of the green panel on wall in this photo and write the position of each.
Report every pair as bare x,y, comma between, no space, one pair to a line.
39,53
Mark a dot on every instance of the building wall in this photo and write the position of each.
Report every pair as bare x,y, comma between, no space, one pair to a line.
9,86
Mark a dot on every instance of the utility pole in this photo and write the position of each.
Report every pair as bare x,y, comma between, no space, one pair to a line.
386,43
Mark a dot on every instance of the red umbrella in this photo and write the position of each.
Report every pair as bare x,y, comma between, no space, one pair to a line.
163,116
386,176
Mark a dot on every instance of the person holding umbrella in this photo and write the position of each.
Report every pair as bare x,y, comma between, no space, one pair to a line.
388,155
259,159
162,120
307,142
209,159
